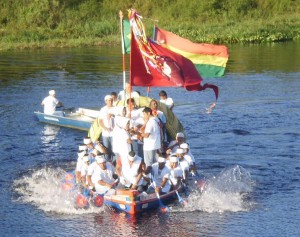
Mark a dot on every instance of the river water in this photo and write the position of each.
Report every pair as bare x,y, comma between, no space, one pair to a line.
248,148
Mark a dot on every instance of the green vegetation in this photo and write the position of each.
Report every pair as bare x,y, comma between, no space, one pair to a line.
71,23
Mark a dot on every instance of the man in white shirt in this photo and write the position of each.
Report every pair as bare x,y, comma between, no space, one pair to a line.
106,122
129,169
160,177
103,175
50,103
173,145
166,100
127,93
152,137
176,173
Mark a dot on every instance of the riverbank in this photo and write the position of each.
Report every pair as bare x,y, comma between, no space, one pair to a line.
91,24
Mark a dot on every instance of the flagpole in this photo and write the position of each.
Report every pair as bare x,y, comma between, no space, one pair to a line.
123,51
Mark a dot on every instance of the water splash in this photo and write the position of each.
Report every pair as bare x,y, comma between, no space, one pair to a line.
43,188
229,191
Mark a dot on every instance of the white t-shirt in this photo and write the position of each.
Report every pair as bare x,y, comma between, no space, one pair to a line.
168,102
189,158
104,175
50,103
158,176
153,142
123,96
108,122
130,173
174,174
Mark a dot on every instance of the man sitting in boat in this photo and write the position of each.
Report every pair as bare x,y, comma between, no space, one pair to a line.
84,170
176,173
103,176
50,104
129,170
80,154
183,164
173,145
160,175
189,158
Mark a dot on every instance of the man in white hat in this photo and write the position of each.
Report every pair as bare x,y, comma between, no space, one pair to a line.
160,176
81,153
50,103
129,170
173,145
176,173
106,122
189,157
103,176
183,164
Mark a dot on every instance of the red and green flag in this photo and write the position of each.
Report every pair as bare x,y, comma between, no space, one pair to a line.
209,59
154,65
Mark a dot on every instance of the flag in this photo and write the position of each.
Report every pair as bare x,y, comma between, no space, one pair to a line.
154,65
209,59
127,35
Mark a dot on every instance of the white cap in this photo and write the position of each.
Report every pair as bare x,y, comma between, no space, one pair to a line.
131,156
161,160
52,92
180,134
81,154
184,146
179,151
174,159
86,158
100,159
107,97
87,140
82,147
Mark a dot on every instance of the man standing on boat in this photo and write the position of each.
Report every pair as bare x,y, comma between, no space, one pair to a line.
152,137
127,93
106,122
166,100
50,104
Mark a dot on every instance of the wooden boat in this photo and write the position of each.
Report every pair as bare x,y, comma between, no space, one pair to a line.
78,118
132,202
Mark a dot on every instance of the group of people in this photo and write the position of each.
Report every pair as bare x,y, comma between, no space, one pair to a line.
134,152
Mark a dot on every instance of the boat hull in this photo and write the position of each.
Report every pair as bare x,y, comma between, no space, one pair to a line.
131,203
76,119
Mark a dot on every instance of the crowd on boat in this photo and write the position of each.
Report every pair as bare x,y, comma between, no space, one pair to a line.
134,151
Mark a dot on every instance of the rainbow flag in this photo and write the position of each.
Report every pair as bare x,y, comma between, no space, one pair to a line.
209,59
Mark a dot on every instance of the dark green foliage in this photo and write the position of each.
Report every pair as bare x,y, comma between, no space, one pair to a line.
86,22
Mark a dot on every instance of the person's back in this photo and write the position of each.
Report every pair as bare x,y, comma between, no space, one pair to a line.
166,100
50,103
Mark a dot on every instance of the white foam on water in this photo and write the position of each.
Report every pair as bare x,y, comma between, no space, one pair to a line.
228,192
43,188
